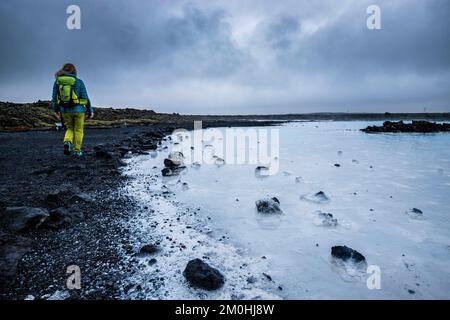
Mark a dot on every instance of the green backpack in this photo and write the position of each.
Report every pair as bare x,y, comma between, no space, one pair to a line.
66,96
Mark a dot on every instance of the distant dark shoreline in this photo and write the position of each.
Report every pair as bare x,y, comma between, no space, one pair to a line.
39,116
333,116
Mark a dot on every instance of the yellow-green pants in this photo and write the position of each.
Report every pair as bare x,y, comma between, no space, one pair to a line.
74,122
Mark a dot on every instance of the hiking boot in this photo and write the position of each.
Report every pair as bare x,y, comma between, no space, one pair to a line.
78,154
67,148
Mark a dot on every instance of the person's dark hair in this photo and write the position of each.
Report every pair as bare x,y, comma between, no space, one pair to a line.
67,68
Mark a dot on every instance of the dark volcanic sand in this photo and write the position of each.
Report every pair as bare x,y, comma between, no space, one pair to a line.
32,165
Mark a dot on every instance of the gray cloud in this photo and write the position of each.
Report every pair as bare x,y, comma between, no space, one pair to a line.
230,57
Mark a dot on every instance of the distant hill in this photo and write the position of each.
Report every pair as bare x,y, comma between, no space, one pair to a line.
39,115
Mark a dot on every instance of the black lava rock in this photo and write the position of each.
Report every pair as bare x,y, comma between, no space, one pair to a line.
12,249
174,160
262,171
149,249
62,217
328,219
167,172
54,197
200,274
414,126
18,219
321,196
270,205
416,211
101,153
347,254
81,197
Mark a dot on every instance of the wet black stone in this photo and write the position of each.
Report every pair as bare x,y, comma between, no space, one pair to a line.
328,219
251,280
170,163
270,205
54,197
167,172
268,277
347,254
149,249
321,195
12,248
61,217
16,219
102,153
81,197
200,274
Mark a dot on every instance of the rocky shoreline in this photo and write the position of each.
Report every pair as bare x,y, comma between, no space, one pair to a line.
58,211
414,126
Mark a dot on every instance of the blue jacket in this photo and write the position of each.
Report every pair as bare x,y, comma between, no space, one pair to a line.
80,90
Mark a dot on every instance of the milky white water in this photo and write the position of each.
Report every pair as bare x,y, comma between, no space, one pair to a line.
210,210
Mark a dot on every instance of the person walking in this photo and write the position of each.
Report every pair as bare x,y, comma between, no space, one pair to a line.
70,102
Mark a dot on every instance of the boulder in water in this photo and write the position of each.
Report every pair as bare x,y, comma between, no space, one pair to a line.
321,196
168,172
200,274
327,219
268,205
414,212
262,171
175,159
318,197
219,161
347,254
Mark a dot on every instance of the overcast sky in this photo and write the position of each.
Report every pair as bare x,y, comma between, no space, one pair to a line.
233,56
